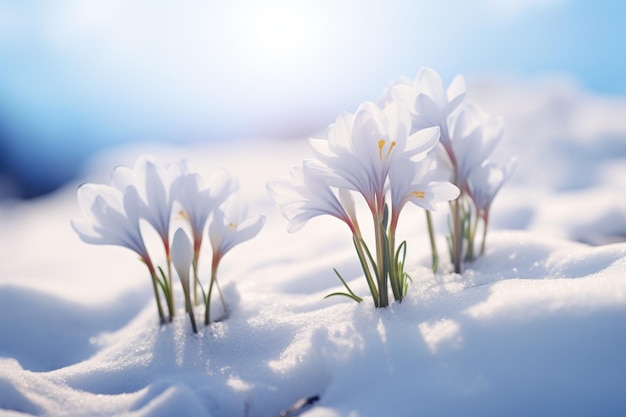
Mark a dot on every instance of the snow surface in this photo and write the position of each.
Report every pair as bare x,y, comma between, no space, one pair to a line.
535,327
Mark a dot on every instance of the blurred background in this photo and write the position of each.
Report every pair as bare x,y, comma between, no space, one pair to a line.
77,77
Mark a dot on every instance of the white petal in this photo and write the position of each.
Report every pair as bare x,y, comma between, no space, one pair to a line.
369,127
182,255
217,230
297,222
429,83
132,204
186,188
122,177
428,112
399,122
157,199
87,232
250,228
316,175
235,208
423,202
401,175
321,149
509,168
347,201
222,184
422,141
443,191
173,171
185,167
456,92
88,193
389,94
339,133
283,192
404,93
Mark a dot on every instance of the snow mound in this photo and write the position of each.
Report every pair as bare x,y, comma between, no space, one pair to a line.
535,327
530,328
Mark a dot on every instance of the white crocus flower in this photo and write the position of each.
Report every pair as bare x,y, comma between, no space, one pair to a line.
231,225
474,136
485,182
182,256
198,199
112,218
307,195
153,183
360,148
483,185
423,184
427,101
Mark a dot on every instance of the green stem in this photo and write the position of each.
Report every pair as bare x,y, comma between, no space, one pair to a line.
197,244
219,292
189,308
394,273
349,294
169,297
360,250
471,236
383,299
196,280
207,306
482,245
457,237
433,244
399,261
155,288
389,247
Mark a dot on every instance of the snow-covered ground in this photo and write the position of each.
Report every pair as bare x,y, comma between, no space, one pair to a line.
535,327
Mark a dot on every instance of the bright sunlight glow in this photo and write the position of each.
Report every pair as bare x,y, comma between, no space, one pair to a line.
280,37
279,30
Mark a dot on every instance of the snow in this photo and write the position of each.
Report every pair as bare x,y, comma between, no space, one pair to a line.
535,327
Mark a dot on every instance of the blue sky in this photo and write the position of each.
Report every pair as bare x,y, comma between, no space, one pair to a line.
78,76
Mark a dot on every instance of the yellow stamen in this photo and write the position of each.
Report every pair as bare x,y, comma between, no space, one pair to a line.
419,194
381,145
183,215
232,225
393,143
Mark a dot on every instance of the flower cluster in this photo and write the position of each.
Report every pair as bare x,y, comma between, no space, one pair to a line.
468,138
422,145
161,196
377,154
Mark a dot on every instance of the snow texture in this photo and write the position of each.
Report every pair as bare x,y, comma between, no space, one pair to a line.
535,327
